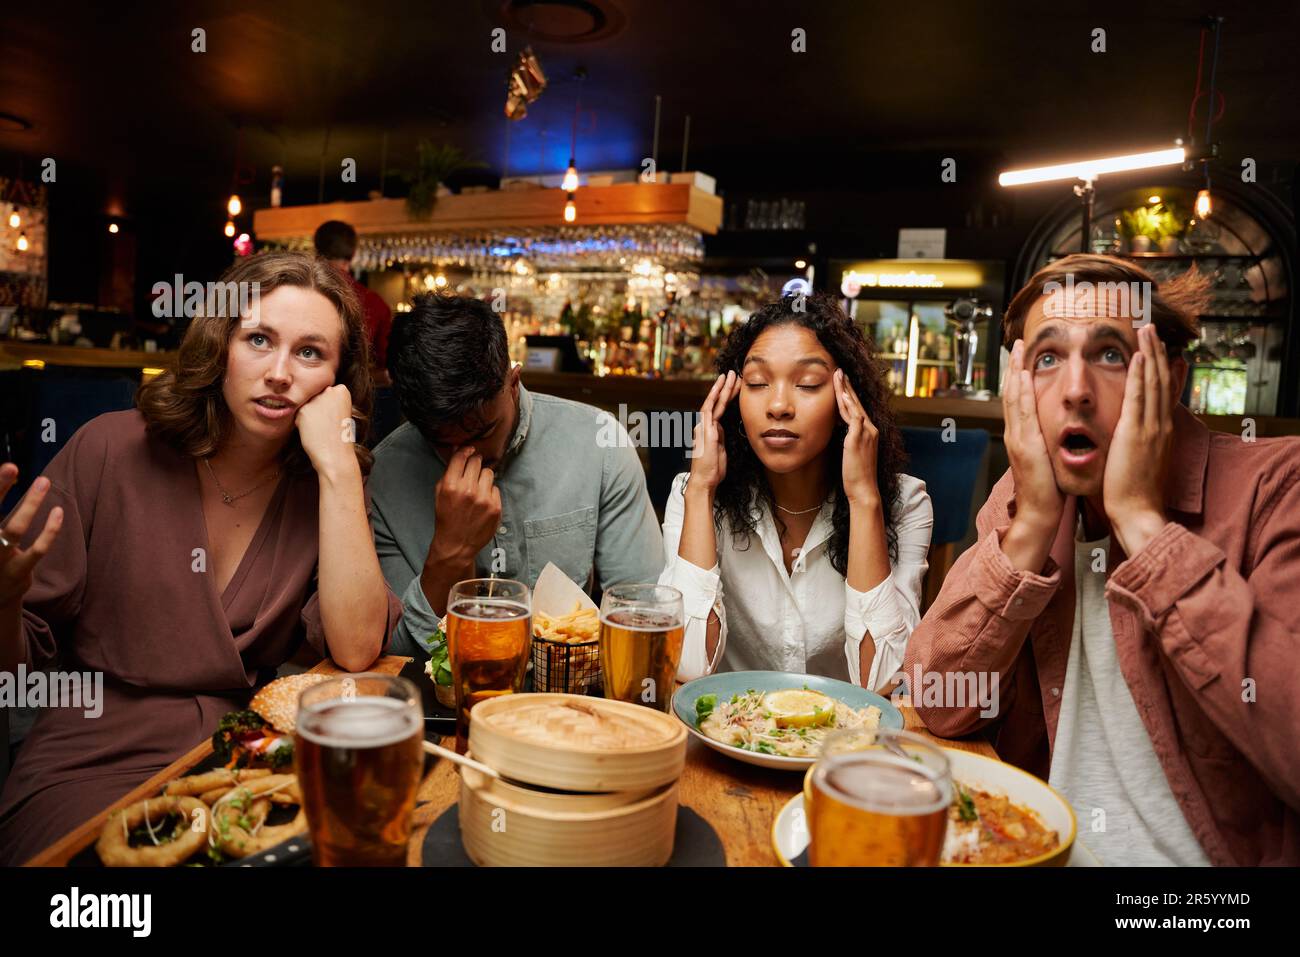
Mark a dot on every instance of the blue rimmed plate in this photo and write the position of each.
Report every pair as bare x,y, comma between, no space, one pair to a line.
729,683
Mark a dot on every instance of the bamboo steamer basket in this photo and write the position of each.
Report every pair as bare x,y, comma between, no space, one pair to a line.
508,825
577,743
587,782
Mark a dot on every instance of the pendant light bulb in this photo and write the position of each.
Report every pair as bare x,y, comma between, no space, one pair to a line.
1203,206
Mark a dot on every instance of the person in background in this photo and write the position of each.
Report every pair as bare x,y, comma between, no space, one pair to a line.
809,463
488,478
184,550
336,243
1133,587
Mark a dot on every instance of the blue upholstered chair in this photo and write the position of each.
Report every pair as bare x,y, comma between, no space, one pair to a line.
57,403
951,471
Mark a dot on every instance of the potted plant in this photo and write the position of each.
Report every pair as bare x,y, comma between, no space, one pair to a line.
1155,225
433,166
1140,228
1172,224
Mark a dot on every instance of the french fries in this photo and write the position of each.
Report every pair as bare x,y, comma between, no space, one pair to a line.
579,625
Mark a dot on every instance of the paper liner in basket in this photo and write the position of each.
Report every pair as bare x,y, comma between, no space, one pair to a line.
556,594
559,667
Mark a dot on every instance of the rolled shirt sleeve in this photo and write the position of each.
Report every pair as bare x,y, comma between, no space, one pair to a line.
701,592
892,609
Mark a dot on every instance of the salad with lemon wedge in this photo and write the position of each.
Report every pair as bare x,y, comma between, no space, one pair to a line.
790,722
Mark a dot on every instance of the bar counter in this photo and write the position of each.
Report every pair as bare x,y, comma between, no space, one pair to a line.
634,393
641,394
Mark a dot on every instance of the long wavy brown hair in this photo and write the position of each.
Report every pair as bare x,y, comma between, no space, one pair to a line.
185,407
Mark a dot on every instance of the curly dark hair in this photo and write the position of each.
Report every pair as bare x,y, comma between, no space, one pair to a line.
746,479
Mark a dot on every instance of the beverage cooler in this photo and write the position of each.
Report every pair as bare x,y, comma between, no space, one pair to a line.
1245,362
935,322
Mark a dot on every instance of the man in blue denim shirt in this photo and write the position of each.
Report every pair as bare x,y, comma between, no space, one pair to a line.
487,478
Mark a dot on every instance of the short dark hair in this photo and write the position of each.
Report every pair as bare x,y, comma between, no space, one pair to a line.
448,356
335,239
1176,304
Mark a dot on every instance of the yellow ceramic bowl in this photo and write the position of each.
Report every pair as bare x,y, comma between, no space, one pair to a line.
989,774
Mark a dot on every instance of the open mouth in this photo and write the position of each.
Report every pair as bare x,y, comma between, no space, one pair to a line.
1078,447
274,407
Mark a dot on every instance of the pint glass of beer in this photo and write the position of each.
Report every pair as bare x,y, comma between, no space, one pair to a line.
641,643
358,755
879,799
489,636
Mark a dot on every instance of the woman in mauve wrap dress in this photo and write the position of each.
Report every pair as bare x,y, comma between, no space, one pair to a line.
185,549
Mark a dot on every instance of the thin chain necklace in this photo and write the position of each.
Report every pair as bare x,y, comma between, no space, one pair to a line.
790,511
229,499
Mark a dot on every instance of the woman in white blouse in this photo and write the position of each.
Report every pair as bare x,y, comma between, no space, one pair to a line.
796,542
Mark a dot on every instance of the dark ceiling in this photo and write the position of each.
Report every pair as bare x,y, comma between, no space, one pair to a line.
136,119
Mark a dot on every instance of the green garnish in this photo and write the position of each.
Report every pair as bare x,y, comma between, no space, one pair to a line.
704,706
965,804
439,665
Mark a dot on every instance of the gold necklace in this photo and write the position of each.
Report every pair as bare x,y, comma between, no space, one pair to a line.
790,511
226,497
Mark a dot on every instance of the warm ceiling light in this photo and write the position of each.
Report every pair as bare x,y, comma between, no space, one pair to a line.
234,205
1153,200
800,264
22,242
570,211
570,181
112,228
15,220
1203,204
230,227
1091,169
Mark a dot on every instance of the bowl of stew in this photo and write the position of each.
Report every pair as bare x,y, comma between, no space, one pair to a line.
1001,816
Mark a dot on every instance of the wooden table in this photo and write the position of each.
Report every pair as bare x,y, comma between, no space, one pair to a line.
739,801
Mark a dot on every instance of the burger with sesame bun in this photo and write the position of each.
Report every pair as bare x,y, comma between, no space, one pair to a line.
262,735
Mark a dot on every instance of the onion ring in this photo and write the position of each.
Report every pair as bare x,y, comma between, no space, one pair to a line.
195,784
114,847
235,840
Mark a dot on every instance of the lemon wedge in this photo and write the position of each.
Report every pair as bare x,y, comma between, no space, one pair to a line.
799,708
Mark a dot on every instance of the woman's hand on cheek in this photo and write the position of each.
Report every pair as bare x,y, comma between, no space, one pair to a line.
327,431
860,445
